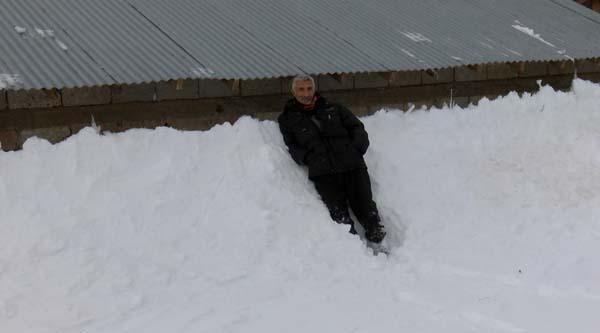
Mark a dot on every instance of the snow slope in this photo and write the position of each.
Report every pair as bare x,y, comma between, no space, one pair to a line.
493,212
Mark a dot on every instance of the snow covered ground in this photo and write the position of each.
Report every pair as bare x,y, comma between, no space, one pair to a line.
493,213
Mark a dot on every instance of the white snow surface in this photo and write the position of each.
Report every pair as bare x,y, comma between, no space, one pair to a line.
528,31
44,32
416,37
20,30
493,213
62,45
9,80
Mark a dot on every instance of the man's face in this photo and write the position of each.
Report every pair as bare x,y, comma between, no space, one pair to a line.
304,91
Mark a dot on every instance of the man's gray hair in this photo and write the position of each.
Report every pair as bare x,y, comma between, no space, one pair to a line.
302,77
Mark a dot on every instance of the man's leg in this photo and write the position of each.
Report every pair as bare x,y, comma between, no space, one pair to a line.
333,193
358,185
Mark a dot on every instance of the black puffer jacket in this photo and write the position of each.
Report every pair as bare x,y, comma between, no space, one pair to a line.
328,139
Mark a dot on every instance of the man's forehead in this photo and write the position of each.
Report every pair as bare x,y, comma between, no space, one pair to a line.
304,83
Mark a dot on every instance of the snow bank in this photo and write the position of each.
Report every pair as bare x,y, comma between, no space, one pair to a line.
492,211
9,80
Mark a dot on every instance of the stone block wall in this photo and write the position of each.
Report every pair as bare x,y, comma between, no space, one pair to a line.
409,78
438,76
30,99
261,87
200,104
470,73
3,103
128,93
218,88
86,96
177,89
370,80
335,82
532,69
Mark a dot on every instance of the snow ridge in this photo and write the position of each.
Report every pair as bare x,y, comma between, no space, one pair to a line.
492,211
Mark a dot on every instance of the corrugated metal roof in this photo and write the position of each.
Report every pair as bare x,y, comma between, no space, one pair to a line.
75,43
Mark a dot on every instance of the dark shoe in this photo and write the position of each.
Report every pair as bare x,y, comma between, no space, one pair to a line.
352,230
375,233
341,216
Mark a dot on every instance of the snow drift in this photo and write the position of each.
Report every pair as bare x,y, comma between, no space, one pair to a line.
493,213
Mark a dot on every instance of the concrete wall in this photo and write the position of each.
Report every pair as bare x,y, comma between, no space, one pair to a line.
200,104
593,4
3,103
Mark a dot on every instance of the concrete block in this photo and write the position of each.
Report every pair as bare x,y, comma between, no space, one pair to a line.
30,99
286,85
115,125
86,96
407,78
394,106
9,140
53,134
438,76
261,87
498,71
204,122
561,67
177,89
16,119
3,103
266,115
442,102
593,77
191,124
361,110
470,73
218,88
558,82
384,106
112,127
335,82
370,80
146,123
583,66
420,104
134,93
75,128
49,118
532,69
476,99
463,102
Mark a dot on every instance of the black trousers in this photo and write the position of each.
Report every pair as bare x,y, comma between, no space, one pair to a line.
351,188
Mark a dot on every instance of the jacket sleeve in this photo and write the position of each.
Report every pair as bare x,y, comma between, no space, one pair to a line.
297,152
360,138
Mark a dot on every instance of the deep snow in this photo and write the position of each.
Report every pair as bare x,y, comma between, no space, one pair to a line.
492,211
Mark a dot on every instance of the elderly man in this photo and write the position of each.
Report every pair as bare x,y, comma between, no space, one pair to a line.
331,141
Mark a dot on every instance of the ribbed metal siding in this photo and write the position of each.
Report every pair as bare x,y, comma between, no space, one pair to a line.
460,31
106,41
224,47
121,41
39,61
253,39
135,41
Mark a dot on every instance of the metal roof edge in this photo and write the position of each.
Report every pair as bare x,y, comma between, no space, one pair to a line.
299,73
